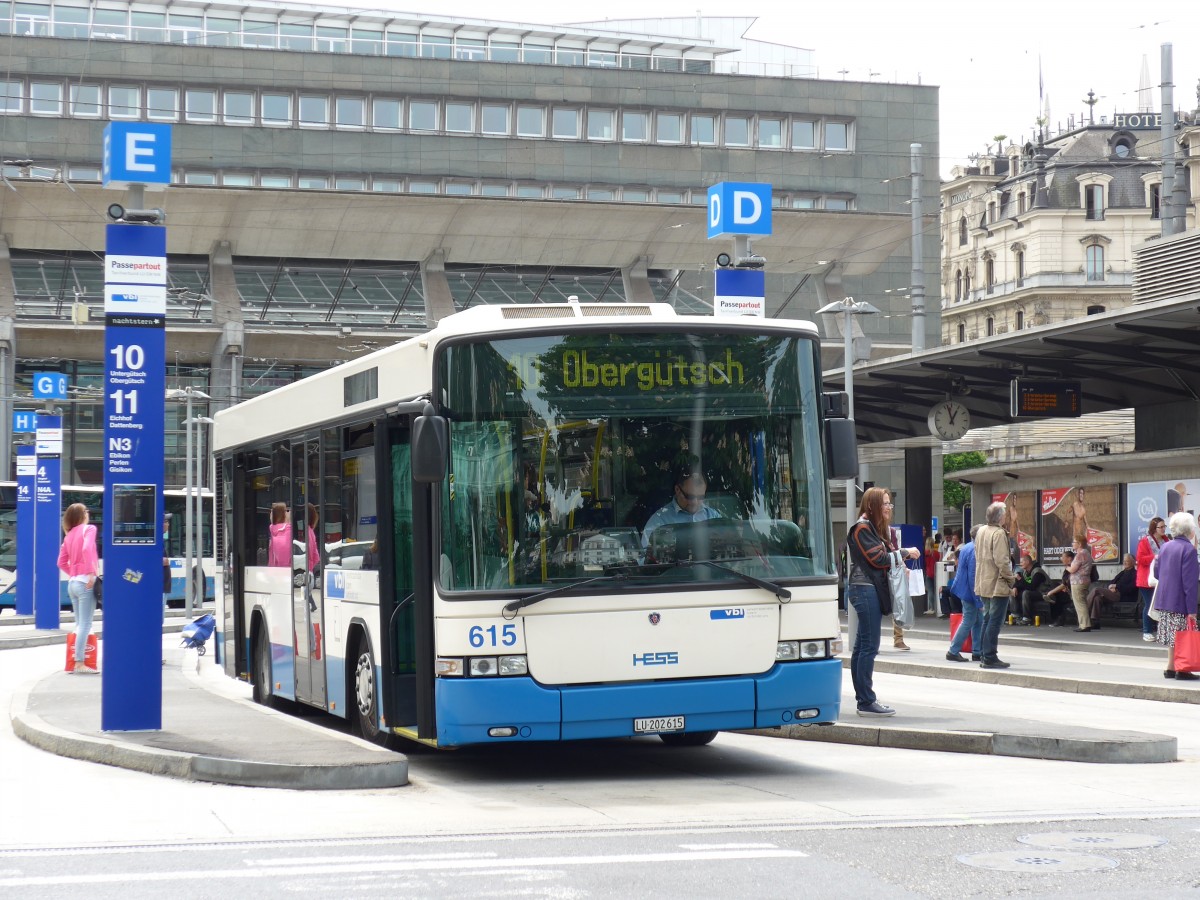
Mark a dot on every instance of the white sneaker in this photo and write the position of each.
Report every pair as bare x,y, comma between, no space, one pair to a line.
1149,638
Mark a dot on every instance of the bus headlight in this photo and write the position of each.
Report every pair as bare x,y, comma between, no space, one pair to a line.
812,649
483,665
514,665
787,651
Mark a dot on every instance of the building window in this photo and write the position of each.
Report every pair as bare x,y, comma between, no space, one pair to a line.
530,191
422,115
350,112
1095,310
124,102
276,109
564,124
162,104
1093,200
635,126
1094,262
1020,319
314,111
670,128
1021,201
1156,201
237,179
238,108
200,106
312,182
704,130
804,203
966,285
770,134
531,121
962,333
670,197
635,195
601,124
958,286
1020,261
804,134
565,193
385,114
989,270
494,119
422,187
991,326
962,231
991,211
837,136
46,98
275,181
435,46
737,131
385,185
494,190
206,178
460,117
85,100
600,194
836,203
460,188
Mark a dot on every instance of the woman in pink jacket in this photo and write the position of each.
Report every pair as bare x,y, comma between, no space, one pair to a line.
81,564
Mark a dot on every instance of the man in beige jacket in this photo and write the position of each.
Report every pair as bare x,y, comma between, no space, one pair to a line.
994,578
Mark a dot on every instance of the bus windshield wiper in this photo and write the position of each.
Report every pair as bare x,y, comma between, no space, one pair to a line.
517,605
784,595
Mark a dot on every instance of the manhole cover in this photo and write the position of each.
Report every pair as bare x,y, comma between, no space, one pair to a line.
1032,861
1080,840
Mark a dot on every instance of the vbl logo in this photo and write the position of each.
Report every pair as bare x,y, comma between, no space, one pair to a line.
661,658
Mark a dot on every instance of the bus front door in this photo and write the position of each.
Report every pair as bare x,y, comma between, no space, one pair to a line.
308,607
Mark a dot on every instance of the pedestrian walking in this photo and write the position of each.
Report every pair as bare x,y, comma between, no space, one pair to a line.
79,560
972,606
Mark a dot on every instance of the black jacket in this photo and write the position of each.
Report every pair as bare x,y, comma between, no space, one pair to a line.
870,552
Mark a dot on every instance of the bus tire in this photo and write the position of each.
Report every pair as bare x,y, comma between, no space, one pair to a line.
366,703
688,738
262,669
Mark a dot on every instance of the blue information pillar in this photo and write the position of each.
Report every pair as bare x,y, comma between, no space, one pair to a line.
26,470
47,520
741,210
138,156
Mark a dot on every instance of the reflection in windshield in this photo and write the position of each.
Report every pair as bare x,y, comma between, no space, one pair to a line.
564,449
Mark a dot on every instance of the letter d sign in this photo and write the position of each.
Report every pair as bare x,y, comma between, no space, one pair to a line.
739,208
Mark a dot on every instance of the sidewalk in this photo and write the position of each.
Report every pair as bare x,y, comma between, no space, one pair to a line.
212,731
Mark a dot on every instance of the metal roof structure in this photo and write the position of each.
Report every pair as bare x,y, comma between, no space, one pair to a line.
1134,357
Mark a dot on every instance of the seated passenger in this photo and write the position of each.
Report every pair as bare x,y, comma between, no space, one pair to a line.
687,504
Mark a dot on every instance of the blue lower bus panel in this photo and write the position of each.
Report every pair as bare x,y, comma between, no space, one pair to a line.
468,708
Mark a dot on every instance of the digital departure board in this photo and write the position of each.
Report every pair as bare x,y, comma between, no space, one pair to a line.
1041,398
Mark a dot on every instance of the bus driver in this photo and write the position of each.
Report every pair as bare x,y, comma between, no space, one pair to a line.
687,504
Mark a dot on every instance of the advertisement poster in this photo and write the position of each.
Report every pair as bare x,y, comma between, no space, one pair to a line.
1088,511
1162,499
1022,522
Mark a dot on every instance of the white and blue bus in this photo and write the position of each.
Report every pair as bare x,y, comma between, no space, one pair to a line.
466,516
92,496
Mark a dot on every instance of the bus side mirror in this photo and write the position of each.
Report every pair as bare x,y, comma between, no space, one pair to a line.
429,447
841,449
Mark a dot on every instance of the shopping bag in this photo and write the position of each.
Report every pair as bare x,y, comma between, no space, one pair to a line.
916,583
1187,649
955,621
902,605
90,652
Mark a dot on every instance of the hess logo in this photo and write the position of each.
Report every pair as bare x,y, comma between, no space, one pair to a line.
660,658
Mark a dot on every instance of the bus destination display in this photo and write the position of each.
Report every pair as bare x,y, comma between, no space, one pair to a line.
1040,398
133,514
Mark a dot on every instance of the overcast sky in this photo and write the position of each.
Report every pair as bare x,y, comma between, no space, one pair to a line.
986,63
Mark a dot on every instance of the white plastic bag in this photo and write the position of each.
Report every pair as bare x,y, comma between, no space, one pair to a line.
902,606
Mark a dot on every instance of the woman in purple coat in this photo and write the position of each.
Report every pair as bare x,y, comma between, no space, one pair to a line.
1175,597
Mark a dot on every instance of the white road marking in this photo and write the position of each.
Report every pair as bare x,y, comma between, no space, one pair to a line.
404,866
727,846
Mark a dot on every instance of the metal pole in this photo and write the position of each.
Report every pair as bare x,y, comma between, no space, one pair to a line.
917,284
198,515
187,509
851,506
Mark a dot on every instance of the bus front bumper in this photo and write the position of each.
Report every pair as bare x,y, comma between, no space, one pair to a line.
476,710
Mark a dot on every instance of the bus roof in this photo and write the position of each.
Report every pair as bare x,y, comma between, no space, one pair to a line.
404,371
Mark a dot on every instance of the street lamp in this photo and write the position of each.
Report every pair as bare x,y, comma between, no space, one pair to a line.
848,308
192,515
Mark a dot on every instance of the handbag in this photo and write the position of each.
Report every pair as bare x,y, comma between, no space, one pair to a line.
902,607
1187,649
1151,578
98,590
916,583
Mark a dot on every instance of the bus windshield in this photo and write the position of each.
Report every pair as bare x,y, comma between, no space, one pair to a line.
637,455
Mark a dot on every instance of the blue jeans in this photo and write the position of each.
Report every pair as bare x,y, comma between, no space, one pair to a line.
994,611
1149,626
83,602
866,641
972,625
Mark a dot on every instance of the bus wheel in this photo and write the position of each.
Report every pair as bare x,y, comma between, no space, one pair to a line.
366,711
688,738
262,670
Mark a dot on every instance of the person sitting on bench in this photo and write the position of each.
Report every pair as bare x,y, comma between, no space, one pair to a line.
1032,581
1122,589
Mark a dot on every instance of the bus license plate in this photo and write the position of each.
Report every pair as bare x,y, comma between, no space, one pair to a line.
658,725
